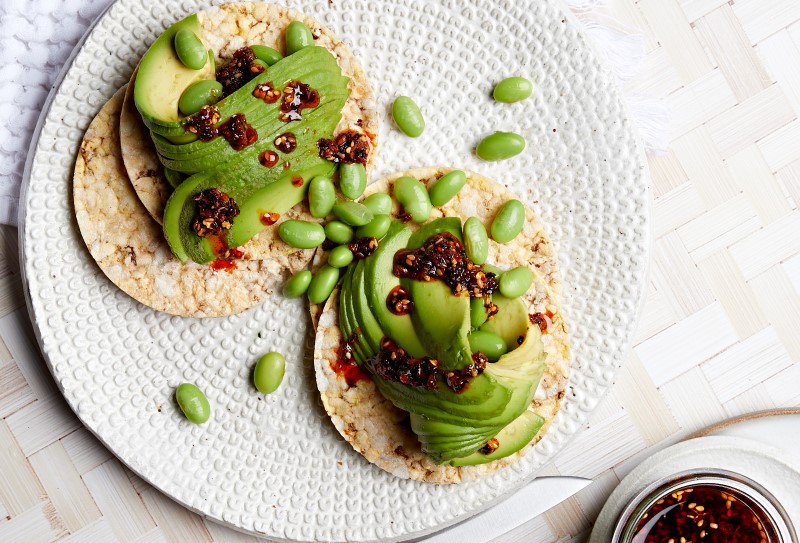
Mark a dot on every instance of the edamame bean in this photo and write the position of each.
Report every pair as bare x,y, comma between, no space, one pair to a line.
321,196
476,242
199,94
297,285
413,196
340,256
302,234
190,50
298,35
516,282
488,268
379,203
323,284
352,213
512,89
477,312
446,187
193,403
376,228
488,343
352,180
267,54
508,222
500,146
268,373
408,117
338,232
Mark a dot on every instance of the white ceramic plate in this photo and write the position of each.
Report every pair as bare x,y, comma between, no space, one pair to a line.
275,465
774,468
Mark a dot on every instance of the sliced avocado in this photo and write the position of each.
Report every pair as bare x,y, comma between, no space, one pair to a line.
277,197
519,371
380,281
511,320
484,395
314,66
369,325
437,226
239,173
441,320
162,78
347,320
511,439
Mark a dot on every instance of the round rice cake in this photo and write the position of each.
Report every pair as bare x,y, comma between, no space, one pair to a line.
130,247
371,423
225,29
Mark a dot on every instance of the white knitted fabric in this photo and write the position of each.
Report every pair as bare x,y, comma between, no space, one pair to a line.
37,37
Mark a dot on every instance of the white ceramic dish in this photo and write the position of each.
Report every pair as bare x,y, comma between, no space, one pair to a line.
770,465
276,466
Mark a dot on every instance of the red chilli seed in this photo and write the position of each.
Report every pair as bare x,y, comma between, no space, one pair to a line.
399,301
268,219
267,92
348,147
268,158
363,247
542,320
286,142
296,97
202,123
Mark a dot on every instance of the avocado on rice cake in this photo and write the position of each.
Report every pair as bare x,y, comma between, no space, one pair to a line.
346,111
129,246
359,367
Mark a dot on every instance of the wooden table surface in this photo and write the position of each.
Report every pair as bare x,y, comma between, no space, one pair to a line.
719,336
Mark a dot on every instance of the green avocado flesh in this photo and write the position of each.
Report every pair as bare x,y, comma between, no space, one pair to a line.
451,427
162,78
511,320
255,188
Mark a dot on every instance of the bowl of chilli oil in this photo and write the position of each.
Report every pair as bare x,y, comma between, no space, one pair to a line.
704,506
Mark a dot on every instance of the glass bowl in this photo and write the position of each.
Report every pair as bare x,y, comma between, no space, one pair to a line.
704,505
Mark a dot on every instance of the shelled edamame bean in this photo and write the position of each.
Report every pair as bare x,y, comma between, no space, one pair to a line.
302,234
408,117
352,180
266,54
477,312
488,343
322,284
508,221
199,94
512,89
268,373
352,213
321,196
339,232
193,403
340,256
413,196
476,241
379,203
298,35
190,50
297,285
500,146
376,228
515,282
446,187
